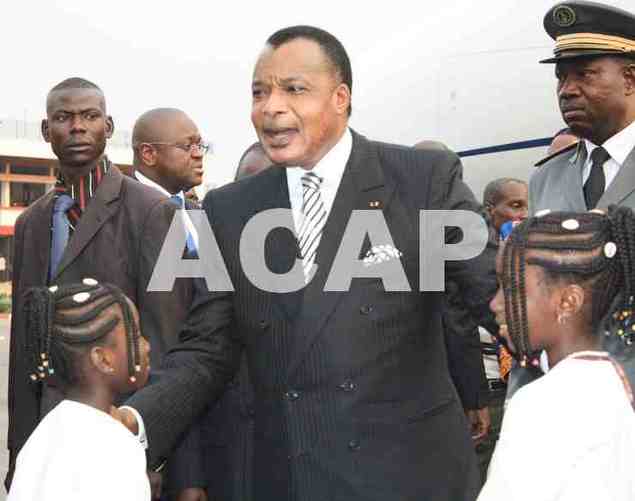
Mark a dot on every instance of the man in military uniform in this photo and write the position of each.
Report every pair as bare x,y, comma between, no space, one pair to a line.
595,70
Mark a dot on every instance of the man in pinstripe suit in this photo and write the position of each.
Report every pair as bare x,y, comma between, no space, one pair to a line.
353,400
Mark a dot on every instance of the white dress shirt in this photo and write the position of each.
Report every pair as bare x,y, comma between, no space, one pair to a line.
568,436
186,219
330,168
618,146
76,453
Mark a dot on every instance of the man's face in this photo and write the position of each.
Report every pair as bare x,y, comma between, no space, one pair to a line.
511,206
179,168
77,126
299,107
592,96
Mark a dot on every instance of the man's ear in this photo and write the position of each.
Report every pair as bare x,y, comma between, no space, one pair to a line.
571,301
45,130
101,358
629,78
342,98
110,126
148,154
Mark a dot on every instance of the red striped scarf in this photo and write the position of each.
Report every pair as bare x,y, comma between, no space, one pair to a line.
81,190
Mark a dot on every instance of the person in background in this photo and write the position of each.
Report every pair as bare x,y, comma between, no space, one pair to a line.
85,336
97,223
168,154
505,201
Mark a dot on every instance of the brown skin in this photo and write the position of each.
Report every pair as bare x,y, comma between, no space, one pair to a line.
171,167
104,368
512,205
596,96
299,106
77,127
252,163
556,313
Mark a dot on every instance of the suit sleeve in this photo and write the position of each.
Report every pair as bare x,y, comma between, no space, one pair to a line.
195,371
476,277
23,397
186,466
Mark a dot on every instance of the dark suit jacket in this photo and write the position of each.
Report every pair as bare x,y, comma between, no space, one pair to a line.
117,240
353,400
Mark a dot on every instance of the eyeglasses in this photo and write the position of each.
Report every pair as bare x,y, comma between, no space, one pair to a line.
203,147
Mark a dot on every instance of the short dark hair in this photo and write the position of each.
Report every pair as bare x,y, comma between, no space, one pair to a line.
493,191
75,83
252,147
331,46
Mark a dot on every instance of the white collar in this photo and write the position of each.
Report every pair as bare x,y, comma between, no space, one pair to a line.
330,167
618,146
152,184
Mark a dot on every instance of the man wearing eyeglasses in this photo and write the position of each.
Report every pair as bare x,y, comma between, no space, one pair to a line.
168,156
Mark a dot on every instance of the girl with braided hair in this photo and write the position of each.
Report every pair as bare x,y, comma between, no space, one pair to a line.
566,285
86,338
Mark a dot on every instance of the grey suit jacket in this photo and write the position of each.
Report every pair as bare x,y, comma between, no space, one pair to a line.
557,184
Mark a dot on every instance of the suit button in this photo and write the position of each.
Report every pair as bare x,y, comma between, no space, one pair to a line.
264,324
291,395
353,445
366,309
347,386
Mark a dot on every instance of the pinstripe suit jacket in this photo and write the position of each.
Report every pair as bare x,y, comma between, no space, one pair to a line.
353,400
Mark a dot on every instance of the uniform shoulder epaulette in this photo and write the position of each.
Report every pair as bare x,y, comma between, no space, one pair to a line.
557,153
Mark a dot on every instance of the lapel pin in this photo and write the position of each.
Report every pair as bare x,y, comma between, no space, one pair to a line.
374,204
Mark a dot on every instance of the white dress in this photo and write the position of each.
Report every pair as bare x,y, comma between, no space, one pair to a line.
569,436
79,453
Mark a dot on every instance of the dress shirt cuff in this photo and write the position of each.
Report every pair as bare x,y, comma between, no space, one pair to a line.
141,435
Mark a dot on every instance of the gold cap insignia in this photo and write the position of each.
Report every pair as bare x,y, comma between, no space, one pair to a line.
564,16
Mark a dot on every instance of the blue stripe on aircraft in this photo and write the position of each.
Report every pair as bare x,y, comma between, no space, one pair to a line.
520,145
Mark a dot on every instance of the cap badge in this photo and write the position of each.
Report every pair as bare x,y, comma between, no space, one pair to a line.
564,16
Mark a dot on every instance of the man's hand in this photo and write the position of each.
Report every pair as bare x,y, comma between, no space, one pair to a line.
192,494
126,418
479,424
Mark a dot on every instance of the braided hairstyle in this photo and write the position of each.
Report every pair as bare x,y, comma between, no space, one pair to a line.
594,250
64,322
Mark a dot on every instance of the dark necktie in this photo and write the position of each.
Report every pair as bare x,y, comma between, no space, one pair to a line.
61,230
595,184
190,244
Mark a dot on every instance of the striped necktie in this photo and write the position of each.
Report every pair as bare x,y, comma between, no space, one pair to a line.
313,220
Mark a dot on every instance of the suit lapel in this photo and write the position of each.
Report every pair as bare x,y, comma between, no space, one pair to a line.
363,182
281,248
574,190
99,210
623,184
39,239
